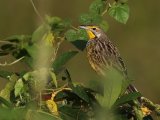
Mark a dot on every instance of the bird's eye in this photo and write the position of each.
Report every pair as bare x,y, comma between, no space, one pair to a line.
93,28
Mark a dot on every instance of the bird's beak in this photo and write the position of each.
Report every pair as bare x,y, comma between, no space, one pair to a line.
90,33
83,27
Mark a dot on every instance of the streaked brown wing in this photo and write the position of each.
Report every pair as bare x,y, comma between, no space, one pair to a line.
102,53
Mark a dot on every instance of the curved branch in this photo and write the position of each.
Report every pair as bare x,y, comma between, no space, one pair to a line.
12,63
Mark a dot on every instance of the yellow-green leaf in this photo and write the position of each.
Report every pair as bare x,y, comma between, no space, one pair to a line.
48,38
112,84
97,6
63,59
52,106
18,87
53,76
39,32
5,93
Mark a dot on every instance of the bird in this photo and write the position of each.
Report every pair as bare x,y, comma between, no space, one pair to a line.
103,54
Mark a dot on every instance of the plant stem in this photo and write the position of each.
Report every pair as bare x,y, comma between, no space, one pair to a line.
149,104
74,27
12,63
36,11
7,42
106,10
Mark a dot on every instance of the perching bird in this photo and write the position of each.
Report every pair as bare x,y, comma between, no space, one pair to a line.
102,54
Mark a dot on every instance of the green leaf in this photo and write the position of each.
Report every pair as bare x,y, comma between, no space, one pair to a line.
24,114
125,84
18,38
85,19
80,44
53,76
29,61
77,38
19,41
82,34
61,95
3,53
48,39
46,43
18,87
12,114
149,117
112,88
68,113
63,59
89,19
104,25
26,76
97,7
5,102
5,74
40,115
120,117
5,93
79,91
120,12
126,98
108,114
7,47
58,26
32,50
53,20
71,35
40,32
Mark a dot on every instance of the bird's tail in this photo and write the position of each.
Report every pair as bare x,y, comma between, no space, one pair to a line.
132,88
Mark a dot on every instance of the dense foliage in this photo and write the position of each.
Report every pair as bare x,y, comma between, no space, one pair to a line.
46,90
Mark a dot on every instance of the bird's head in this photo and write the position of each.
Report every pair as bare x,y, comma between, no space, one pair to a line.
92,31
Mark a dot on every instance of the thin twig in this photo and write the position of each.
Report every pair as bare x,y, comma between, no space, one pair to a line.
57,89
56,48
69,78
68,75
36,11
40,100
7,42
12,63
60,90
74,27
106,10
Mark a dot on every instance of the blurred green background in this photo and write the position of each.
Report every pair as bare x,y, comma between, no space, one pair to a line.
138,40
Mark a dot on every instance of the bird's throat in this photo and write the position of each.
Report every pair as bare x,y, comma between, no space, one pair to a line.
90,34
